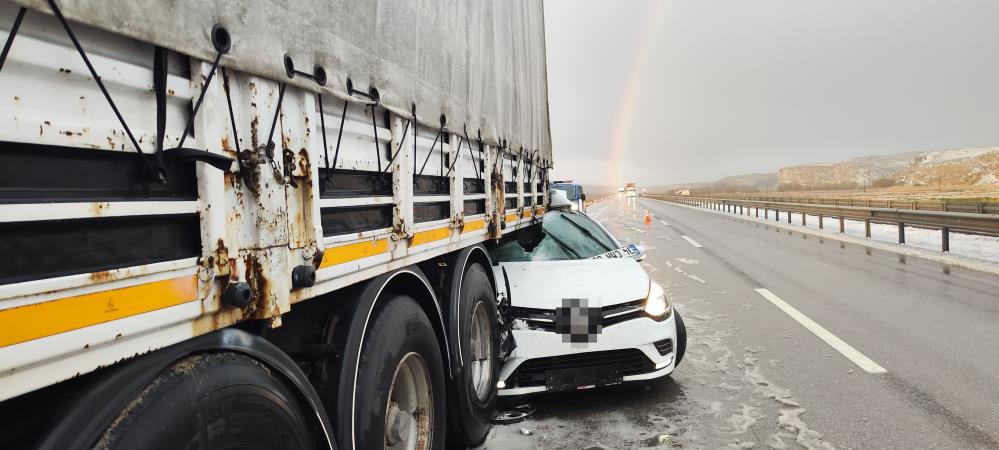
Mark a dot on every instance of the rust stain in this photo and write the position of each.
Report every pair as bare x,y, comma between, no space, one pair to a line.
254,124
257,281
304,165
221,256
65,70
17,99
171,92
97,209
101,276
226,146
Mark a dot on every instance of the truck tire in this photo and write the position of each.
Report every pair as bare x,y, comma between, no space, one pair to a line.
681,338
400,391
212,400
472,394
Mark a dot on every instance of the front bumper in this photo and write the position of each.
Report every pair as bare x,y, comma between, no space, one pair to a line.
622,345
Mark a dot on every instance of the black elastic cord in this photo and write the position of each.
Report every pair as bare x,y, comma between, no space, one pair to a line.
401,141
277,113
339,136
458,155
232,115
326,149
481,160
436,138
10,37
455,162
188,129
100,84
374,126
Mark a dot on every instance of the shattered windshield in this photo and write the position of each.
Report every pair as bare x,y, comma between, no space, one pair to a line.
568,235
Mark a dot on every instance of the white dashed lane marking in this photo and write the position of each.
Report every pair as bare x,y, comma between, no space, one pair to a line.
836,343
664,223
692,242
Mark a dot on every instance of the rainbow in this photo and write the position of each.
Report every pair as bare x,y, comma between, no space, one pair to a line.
625,112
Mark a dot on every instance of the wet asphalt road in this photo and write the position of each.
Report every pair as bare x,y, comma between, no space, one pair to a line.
754,377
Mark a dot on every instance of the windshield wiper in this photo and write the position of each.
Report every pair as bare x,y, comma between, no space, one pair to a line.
563,244
587,232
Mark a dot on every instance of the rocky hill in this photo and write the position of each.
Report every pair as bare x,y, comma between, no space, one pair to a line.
959,167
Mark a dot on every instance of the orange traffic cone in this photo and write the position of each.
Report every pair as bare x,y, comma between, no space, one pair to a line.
648,218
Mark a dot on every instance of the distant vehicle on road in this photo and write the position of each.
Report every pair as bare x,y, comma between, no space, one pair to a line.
573,192
583,312
629,190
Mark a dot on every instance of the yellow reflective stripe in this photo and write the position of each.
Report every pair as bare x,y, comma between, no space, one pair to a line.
473,225
527,214
350,252
511,218
436,234
28,322
541,210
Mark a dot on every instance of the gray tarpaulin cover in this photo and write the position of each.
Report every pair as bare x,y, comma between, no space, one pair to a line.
481,63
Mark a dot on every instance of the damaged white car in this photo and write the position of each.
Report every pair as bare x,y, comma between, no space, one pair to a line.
580,310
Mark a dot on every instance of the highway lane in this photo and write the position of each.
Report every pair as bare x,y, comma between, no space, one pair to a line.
933,328
755,377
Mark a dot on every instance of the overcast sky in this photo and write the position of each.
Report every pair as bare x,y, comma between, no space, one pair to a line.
661,92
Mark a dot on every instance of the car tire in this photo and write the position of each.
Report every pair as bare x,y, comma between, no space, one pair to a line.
212,400
400,381
472,395
681,338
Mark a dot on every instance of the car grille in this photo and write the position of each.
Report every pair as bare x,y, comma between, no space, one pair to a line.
628,362
664,346
544,319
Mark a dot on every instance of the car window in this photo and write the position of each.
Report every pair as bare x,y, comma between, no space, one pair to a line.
568,236
570,190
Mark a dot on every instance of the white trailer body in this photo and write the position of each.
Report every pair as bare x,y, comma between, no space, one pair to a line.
319,159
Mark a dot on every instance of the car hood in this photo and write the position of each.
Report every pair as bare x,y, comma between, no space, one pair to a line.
544,284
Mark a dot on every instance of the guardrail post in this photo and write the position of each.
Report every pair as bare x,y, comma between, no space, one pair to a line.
842,225
820,222
901,233
945,239
981,207
867,228
789,216
803,216
757,212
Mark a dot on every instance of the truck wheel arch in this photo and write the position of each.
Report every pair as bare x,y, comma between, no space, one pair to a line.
108,394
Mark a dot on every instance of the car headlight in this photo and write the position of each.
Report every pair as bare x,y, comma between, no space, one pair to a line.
656,303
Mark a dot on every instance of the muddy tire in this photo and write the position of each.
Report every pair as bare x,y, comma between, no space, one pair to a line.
681,338
212,400
400,391
472,395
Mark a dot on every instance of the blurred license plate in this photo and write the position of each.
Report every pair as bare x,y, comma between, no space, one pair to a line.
578,379
627,251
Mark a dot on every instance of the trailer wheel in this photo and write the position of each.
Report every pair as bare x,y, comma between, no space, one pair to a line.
472,398
400,394
212,400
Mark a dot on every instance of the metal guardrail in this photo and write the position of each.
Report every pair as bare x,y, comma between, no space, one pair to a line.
919,205
972,222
